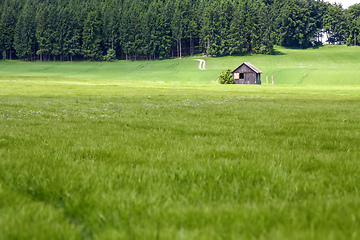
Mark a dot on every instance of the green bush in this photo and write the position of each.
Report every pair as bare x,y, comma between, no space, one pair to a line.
111,55
226,77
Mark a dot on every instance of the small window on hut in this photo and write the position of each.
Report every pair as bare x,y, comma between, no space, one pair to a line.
241,76
236,75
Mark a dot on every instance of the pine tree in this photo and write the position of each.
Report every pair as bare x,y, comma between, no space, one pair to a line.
236,37
266,20
226,15
130,29
353,21
193,26
7,27
178,26
164,28
149,32
211,28
72,41
110,14
57,30
24,38
43,31
92,41
297,26
335,24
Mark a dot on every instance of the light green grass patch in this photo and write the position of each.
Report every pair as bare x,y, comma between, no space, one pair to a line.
328,65
174,70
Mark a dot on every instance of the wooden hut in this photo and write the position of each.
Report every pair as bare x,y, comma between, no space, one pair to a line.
246,73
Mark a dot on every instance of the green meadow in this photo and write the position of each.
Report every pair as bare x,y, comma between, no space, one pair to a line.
329,65
159,150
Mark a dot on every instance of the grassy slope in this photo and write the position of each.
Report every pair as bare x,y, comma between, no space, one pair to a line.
329,65
174,70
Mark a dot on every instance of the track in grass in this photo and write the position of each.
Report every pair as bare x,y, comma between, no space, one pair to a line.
201,64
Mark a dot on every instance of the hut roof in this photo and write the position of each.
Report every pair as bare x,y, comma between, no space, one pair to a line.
249,65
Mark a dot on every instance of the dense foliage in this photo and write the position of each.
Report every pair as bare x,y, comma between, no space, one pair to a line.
226,77
152,29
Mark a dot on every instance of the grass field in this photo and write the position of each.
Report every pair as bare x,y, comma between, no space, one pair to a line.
329,65
90,157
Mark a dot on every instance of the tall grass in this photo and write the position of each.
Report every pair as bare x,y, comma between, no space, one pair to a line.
83,159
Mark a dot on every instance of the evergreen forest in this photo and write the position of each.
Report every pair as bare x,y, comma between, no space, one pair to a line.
67,30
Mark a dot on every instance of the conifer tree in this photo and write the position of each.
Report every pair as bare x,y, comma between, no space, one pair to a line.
110,15
43,31
163,23
178,25
24,38
92,41
71,32
7,27
236,37
353,21
335,24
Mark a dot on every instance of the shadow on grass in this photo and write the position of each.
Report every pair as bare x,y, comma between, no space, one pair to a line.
278,53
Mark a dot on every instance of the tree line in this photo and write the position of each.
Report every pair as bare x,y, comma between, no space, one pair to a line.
66,30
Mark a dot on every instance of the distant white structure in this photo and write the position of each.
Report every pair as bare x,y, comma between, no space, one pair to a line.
345,3
323,37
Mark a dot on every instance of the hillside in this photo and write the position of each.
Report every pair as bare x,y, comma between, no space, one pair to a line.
328,65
